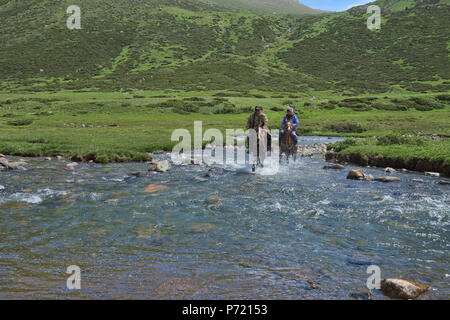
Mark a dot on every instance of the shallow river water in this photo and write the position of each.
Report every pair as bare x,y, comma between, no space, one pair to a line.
301,233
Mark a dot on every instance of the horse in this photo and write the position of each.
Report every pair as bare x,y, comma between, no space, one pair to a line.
258,146
287,143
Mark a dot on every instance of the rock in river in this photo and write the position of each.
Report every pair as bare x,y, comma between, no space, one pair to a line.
359,175
5,164
444,182
155,188
388,179
335,167
402,289
432,174
159,166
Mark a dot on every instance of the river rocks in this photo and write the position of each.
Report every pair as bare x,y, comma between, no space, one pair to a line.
5,164
137,174
444,182
309,150
335,167
71,166
390,170
2,187
176,287
48,159
212,199
159,166
215,172
432,174
402,289
418,180
59,157
202,228
151,188
359,175
387,179
14,205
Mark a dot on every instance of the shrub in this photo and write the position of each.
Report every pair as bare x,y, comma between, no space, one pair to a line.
277,109
390,107
18,123
194,99
186,108
395,138
443,97
227,109
341,145
346,127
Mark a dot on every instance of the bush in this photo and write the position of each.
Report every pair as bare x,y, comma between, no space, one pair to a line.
186,108
18,123
341,145
390,107
194,99
227,109
346,127
422,104
443,97
395,138
277,109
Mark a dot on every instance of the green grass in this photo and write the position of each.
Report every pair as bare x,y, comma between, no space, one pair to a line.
123,126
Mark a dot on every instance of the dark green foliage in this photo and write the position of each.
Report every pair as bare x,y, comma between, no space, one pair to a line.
346,127
394,138
443,97
341,145
186,108
277,109
18,123
229,108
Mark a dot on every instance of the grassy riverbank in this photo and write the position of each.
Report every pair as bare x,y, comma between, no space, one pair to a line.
123,126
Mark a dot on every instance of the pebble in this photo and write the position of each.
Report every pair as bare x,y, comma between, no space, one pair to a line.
388,179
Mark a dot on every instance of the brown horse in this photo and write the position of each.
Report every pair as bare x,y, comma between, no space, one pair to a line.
287,144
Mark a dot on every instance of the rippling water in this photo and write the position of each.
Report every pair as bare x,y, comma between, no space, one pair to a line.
302,233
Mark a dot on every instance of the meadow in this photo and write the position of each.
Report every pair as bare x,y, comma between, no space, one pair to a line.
125,126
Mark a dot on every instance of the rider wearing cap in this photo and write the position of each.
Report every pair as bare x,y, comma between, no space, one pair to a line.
259,120
290,116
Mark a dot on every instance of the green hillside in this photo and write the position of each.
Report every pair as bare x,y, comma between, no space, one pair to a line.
292,7
202,45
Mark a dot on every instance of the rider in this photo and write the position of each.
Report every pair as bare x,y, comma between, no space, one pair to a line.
259,120
290,116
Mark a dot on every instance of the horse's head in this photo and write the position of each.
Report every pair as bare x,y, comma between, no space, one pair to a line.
288,126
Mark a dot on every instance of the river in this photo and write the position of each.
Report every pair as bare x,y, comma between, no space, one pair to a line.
300,233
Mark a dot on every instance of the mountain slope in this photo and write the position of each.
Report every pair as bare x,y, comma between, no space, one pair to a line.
292,7
193,45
